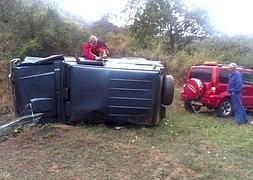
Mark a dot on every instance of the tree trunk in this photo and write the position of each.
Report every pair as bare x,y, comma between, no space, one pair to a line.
172,43
172,48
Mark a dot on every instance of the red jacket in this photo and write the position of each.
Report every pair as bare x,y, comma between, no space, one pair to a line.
91,52
88,51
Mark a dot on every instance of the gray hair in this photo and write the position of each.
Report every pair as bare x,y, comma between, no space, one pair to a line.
232,65
93,38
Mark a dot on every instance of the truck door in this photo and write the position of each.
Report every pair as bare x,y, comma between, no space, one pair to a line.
247,91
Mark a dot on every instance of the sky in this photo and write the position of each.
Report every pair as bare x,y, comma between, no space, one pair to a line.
231,17
93,10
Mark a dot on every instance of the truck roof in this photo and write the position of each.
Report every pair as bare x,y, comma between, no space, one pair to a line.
124,63
220,66
117,63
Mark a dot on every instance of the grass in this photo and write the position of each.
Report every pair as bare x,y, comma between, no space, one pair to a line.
183,146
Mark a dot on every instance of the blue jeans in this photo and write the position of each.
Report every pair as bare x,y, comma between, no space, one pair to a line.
239,112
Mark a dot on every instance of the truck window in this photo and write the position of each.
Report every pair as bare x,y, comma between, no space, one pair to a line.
247,78
204,74
224,75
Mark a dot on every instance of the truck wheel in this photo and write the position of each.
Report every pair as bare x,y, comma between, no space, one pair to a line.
158,117
168,90
191,108
158,111
160,114
225,108
163,112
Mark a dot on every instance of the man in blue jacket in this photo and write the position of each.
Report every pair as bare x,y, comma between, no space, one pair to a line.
234,89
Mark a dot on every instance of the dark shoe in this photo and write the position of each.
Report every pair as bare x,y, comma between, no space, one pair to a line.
239,123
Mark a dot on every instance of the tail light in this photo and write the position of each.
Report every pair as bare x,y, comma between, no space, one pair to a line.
213,89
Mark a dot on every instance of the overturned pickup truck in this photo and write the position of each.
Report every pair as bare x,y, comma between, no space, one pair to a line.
69,89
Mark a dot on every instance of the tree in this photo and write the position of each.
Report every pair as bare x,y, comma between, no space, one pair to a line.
171,20
103,26
38,29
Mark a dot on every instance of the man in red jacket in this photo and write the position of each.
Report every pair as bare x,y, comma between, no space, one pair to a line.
95,49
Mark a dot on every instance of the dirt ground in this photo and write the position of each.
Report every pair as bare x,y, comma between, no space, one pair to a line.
74,152
183,146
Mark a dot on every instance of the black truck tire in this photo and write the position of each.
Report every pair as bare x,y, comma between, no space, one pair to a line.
225,108
191,108
168,90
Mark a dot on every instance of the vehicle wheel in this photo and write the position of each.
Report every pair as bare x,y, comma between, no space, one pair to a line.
225,108
158,111
168,90
157,118
193,89
191,108
163,112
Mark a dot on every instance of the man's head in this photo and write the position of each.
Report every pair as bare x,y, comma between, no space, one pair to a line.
232,66
93,40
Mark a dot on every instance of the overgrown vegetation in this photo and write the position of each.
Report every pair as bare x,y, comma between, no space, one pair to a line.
171,21
5,93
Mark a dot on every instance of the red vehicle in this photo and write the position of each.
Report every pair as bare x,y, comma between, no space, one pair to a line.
206,85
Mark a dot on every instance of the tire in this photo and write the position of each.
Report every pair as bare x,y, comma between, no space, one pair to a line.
193,89
163,112
158,117
225,108
158,109
191,108
160,114
168,90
